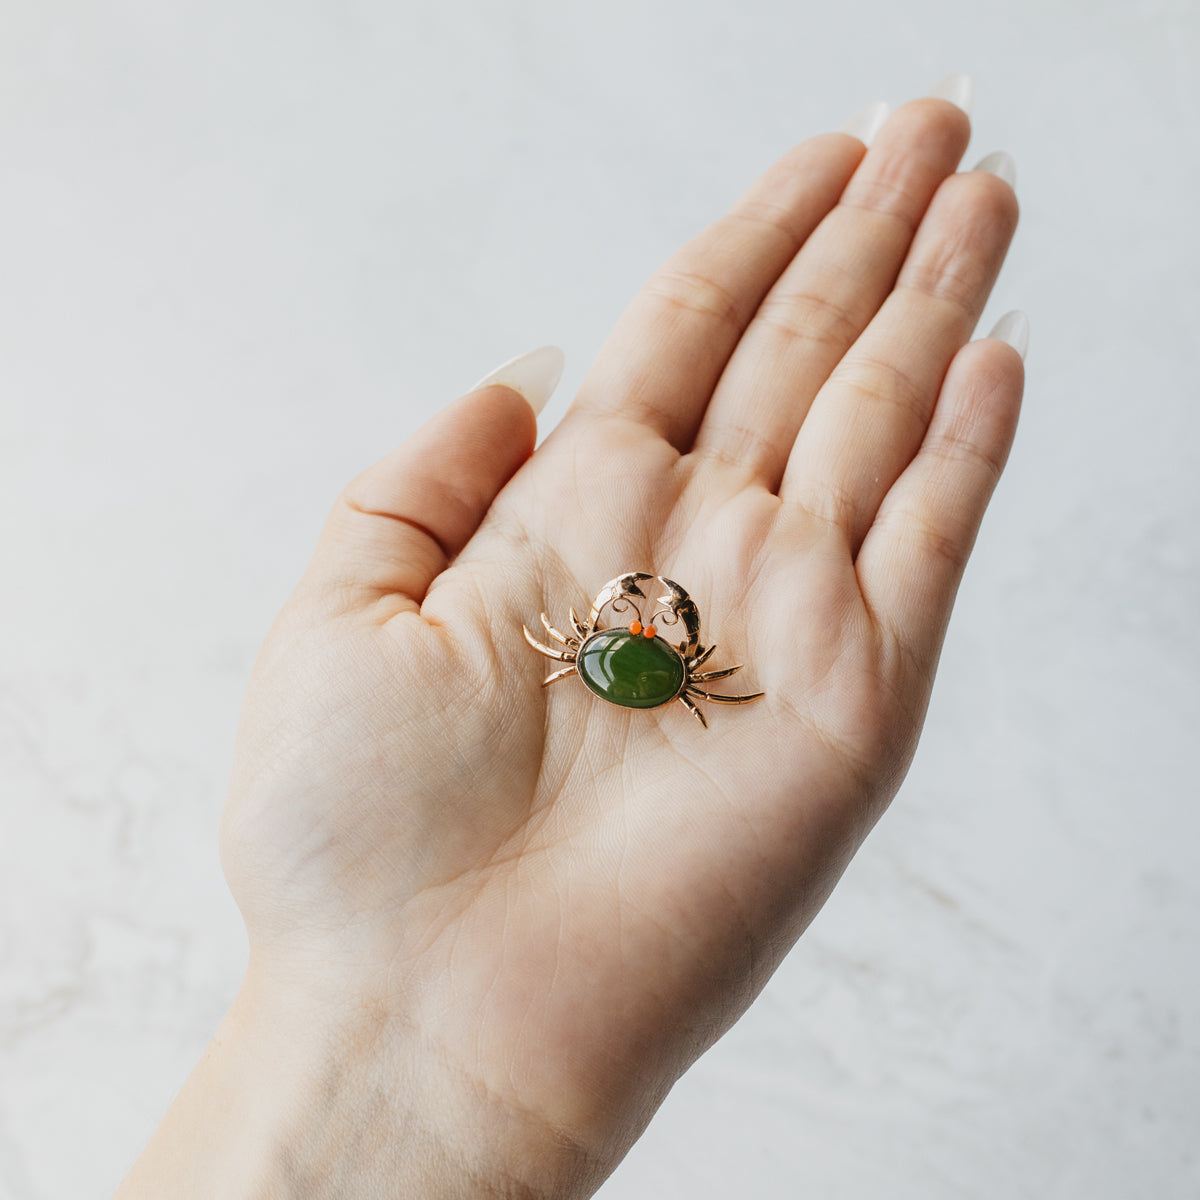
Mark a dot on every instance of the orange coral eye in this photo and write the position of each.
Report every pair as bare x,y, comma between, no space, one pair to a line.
649,631
635,627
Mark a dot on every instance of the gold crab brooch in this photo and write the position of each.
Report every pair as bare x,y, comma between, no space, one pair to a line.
632,665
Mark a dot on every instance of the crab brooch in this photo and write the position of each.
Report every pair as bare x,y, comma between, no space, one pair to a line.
632,665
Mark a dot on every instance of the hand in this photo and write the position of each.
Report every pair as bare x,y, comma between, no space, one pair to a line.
516,914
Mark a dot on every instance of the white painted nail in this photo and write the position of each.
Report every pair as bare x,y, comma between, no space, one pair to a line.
535,375
1013,328
865,123
955,88
1001,163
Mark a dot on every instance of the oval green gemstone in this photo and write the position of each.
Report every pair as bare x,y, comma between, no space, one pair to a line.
635,672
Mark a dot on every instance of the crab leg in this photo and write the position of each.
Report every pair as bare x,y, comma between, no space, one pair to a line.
693,663
546,649
577,624
705,676
559,674
558,637
693,691
691,707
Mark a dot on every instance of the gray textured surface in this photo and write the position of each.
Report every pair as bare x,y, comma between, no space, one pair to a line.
245,247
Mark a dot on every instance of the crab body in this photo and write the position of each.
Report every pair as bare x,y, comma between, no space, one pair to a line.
632,666
631,670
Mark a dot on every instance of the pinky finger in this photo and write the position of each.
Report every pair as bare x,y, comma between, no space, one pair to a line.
912,560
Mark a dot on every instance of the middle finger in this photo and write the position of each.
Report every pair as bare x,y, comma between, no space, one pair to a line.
830,291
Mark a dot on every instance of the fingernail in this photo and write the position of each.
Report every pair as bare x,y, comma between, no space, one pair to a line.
955,88
1001,163
1013,328
865,123
535,375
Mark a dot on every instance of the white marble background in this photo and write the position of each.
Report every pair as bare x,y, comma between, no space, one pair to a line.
247,245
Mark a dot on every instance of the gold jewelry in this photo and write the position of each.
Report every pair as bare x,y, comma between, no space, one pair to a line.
631,665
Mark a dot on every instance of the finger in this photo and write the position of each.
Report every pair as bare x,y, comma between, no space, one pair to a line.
868,420
914,553
830,291
398,525
661,362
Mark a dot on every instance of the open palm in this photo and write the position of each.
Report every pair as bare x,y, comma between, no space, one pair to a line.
559,901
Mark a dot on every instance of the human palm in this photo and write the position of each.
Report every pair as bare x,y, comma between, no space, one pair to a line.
552,903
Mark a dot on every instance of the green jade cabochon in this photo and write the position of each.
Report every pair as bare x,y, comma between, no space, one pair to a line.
631,670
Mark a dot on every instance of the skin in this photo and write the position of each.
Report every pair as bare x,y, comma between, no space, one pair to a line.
491,924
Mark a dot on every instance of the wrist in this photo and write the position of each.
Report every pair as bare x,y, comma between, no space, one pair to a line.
306,1098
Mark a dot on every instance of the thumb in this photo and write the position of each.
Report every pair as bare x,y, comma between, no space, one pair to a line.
398,525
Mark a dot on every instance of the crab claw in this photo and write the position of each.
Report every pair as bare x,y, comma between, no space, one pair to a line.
683,609
613,592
